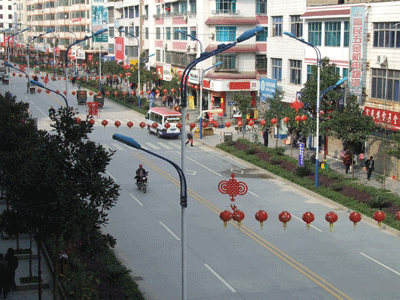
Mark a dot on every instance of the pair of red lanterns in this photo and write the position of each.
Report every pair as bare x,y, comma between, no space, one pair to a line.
286,119
308,217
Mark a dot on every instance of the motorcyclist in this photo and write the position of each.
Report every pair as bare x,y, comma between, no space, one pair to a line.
140,172
52,112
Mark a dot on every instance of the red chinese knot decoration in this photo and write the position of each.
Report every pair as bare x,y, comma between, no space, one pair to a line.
261,216
355,217
308,217
240,123
331,217
232,187
285,217
274,121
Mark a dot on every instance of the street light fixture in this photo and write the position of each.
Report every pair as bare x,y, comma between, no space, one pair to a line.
289,34
45,87
8,42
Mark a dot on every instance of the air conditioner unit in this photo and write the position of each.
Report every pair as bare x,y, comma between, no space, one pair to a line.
194,47
381,59
165,46
188,47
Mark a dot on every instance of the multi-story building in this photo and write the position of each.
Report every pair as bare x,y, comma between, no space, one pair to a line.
12,16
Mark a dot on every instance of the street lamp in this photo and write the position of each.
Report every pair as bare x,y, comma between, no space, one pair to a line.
8,43
142,60
77,42
183,198
289,34
201,80
45,87
100,55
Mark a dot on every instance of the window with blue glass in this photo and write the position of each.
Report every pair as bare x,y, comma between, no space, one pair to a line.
176,33
345,72
261,6
226,6
276,64
193,32
168,33
385,84
262,37
332,34
346,37
309,71
184,35
130,12
192,4
225,33
183,7
387,35
277,23
315,33
228,62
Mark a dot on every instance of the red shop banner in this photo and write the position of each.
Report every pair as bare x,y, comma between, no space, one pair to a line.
90,57
119,49
383,116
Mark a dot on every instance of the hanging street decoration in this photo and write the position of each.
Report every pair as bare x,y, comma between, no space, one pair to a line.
331,217
285,217
261,216
355,217
308,217
379,216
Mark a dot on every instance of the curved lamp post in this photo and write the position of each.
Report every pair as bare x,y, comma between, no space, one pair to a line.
289,34
8,43
183,198
45,87
77,42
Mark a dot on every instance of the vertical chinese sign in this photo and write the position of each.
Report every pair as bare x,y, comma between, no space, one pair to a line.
99,14
119,49
356,49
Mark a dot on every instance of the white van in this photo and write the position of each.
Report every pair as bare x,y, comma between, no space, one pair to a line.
162,115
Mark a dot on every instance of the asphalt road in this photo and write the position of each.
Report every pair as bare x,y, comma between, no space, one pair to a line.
231,263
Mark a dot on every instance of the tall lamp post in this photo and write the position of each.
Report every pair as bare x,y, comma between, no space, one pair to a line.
142,60
318,97
45,87
77,42
201,80
203,56
8,44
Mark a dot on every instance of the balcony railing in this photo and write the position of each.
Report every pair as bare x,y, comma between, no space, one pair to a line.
175,14
225,12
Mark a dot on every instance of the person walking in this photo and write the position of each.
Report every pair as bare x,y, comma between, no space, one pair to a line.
370,165
265,137
46,79
347,161
3,265
12,265
190,138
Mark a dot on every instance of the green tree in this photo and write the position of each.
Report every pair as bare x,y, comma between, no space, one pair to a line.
351,126
243,103
394,150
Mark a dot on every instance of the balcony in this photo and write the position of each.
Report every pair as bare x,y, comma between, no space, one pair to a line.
175,14
225,12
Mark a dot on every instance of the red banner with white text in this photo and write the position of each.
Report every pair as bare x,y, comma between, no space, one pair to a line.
119,49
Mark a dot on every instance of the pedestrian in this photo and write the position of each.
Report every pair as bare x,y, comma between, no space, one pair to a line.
3,265
370,165
12,264
190,138
73,81
347,161
265,137
46,79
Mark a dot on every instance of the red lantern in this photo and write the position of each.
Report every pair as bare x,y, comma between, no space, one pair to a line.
142,125
165,91
115,76
398,216
141,92
261,216
77,78
227,124
285,217
263,122
20,75
240,123
379,216
91,93
65,78
179,125
83,93
78,120
107,93
274,121
117,124
124,93
167,125
39,90
90,78
215,124
14,74
285,119
225,216
47,91
238,216
99,93
102,77
91,122
133,93
308,217
304,118
173,90
192,125
298,119
251,122
157,91
331,217
104,123
40,77
57,91
120,75
154,125
148,92
115,94
65,92
73,93
129,124
355,217
204,124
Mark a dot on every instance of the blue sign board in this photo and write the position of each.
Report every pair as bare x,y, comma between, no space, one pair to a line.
231,103
267,88
301,154
151,99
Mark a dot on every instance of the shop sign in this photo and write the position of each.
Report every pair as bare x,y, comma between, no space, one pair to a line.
356,49
194,77
119,49
159,72
167,75
384,117
267,89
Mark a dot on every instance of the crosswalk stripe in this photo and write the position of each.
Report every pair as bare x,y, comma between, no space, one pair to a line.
117,146
164,145
152,146
105,146
175,144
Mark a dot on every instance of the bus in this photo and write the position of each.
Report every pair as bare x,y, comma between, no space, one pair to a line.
160,116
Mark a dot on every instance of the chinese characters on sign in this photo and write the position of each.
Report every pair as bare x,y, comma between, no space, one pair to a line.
356,49
382,117
301,154
119,49
267,88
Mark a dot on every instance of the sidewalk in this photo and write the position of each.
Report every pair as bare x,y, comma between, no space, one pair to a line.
335,163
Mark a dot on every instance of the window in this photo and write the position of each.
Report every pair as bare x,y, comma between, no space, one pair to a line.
137,31
193,32
183,7
111,32
126,12
226,6
277,69
345,72
146,33
346,37
192,4
228,62
296,26
315,33
386,35
277,26
183,35
130,12
332,34
295,71
158,9
176,33
261,6
262,37
309,72
380,81
158,55
167,57
225,33
158,33
261,62
175,8
137,11
168,33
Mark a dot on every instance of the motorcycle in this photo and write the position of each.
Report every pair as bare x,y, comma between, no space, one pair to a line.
142,183
52,115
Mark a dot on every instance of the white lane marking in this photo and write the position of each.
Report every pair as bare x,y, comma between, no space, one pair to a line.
220,278
205,167
109,174
117,146
112,116
301,220
165,146
105,146
41,111
173,144
153,146
169,230
136,199
254,194
379,263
